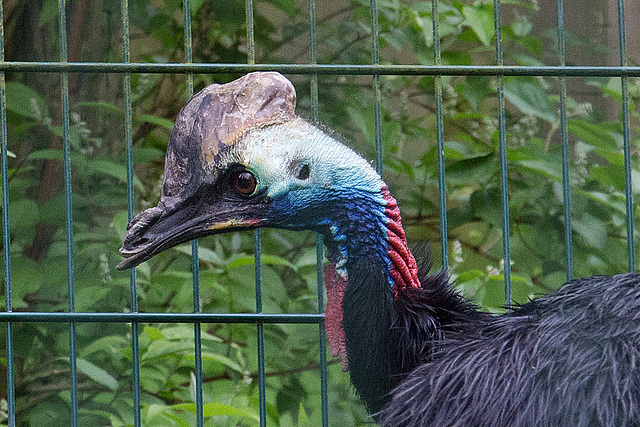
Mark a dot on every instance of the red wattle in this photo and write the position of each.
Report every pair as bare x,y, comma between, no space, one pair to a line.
404,270
336,286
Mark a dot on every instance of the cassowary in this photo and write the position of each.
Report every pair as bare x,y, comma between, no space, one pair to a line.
418,353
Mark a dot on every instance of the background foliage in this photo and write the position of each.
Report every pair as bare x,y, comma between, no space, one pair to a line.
346,104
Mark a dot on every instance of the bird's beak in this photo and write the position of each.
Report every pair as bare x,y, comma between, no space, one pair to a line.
155,230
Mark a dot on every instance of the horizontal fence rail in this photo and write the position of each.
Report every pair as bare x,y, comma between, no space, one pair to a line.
326,69
24,316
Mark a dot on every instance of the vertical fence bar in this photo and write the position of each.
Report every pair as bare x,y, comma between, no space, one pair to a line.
6,235
261,377
66,150
195,264
324,399
566,192
257,237
322,344
504,179
442,189
128,126
188,46
375,53
628,190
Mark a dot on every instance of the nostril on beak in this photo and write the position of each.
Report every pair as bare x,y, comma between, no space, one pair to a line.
139,225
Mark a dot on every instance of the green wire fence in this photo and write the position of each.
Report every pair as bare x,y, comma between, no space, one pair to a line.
312,70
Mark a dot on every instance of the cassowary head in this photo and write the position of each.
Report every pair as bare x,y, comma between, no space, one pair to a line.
240,158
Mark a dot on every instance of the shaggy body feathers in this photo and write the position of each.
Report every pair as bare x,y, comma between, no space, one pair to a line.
571,358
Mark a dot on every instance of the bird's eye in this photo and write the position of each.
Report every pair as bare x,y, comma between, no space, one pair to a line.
303,173
245,183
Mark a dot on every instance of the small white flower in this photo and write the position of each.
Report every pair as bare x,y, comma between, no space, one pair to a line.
33,103
457,252
105,271
492,271
246,378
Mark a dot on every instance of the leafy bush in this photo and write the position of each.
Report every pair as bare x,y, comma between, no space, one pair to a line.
38,245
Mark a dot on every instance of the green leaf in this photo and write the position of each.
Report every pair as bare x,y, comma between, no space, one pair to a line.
493,295
521,26
153,333
215,408
113,169
52,413
204,254
593,230
101,105
161,348
119,223
486,205
363,122
455,150
476,90
521,289
514,278
303,418
266,259
184,332
25,101
613,156
425,25
154,410
548,169
480,19
86,297
195,6
471,170
144,154
291,395
220,359
49,154
96,373
109,345
592,134
48,12
613,201
158,121
470,275
23,216
27,277
529,97
608,175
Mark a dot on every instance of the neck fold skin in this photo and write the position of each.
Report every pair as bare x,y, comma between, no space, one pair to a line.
336,287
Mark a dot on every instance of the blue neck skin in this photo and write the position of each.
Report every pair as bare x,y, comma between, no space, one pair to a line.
354,227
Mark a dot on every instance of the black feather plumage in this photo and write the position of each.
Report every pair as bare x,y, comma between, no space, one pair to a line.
369,345
430,358
571,358
387,339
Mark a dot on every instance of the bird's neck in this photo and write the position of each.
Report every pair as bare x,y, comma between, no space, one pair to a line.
370,268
